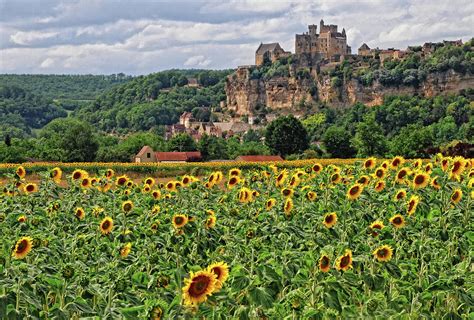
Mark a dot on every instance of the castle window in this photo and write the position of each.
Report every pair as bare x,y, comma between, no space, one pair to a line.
148,155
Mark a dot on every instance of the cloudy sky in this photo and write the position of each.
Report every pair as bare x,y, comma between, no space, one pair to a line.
144,36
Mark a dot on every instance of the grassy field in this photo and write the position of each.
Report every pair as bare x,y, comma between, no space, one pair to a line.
316,239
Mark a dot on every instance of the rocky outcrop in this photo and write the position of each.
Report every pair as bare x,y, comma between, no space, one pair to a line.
245,95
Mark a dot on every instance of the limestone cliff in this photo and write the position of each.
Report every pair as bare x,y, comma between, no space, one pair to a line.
245,94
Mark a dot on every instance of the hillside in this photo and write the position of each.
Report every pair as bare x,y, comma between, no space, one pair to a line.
156,99
65,87
289,84
29,102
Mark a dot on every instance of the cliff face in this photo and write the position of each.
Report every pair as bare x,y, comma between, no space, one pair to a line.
245,94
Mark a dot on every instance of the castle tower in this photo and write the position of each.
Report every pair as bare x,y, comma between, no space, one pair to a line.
312,30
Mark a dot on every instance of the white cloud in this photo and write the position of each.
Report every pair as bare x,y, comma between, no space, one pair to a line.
108,36
197,61
48,62
30,37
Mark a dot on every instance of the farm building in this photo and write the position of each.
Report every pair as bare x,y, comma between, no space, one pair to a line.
146,154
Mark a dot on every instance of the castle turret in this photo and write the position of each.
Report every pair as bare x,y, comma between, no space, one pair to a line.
344,32
312,29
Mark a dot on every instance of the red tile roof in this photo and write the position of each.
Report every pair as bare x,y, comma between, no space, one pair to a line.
259,158
178,156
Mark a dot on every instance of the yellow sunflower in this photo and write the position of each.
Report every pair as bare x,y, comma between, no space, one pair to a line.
106,225
86,183
295,181
287,192
412,204
245,195
380,173
270,203
80,213
127,206
456,196
56,174
221,270
280,179
233,181
30,188
109,173
180,220
330,220
234,172
311,196
383,253
324,263
379,186
125,250
22,248
336,178
288,206
429,167
396,162
186,180
317,168
149,181
198,287
171,186
457,168
21,219
355,191
417,163
435,183
402,174
397,221
218,176
20,172
211,222
344,262
79,174
364,180
156,313
122,180
402,193
375,226
420,180
370,163
156,194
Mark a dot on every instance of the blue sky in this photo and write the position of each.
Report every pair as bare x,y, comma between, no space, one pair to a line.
144,36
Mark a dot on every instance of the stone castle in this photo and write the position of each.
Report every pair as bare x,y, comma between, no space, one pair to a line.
328,44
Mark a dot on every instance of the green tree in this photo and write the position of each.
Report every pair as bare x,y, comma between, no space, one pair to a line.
411,141
68,140
252,135
338,142
111,149
286,135
369,139
212,147
181,142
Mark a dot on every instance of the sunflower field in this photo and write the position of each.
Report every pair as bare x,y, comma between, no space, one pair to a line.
369,239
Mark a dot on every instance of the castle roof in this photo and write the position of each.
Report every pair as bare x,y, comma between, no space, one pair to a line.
264,47
364,46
